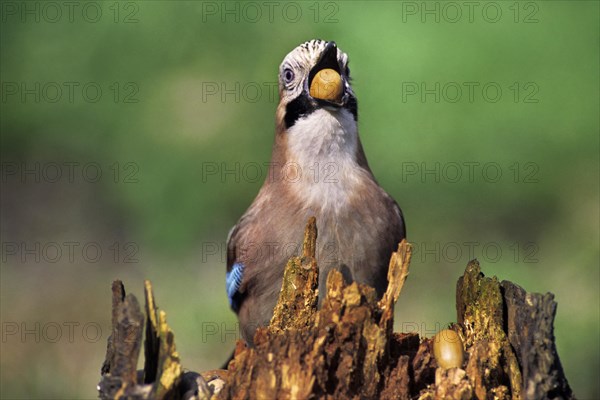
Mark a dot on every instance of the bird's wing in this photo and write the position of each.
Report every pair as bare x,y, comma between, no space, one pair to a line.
402,222
231,245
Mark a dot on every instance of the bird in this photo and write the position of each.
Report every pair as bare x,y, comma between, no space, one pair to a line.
318,168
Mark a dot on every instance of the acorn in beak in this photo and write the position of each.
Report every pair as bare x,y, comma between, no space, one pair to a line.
325,81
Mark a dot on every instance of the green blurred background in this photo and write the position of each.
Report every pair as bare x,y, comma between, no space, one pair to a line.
187,87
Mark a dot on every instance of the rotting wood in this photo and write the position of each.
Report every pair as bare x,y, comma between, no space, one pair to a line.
530,324
347,348
162,372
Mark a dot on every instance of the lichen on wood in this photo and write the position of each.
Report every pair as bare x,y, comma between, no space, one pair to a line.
300,287
492,366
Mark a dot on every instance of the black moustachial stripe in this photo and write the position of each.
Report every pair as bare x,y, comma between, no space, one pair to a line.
352,106
297,108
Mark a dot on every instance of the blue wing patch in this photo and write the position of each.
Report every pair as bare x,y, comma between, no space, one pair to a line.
233,281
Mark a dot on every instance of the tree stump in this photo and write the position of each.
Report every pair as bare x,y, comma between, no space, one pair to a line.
347,348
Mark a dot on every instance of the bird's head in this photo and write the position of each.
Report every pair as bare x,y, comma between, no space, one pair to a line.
312,77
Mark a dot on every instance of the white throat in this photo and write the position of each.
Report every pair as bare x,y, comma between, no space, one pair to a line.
322,149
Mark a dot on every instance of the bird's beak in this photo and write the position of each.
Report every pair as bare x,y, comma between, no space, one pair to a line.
325,80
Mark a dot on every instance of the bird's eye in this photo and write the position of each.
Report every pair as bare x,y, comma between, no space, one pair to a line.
288,75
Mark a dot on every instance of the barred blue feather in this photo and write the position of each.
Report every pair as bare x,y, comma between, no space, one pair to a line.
233,281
